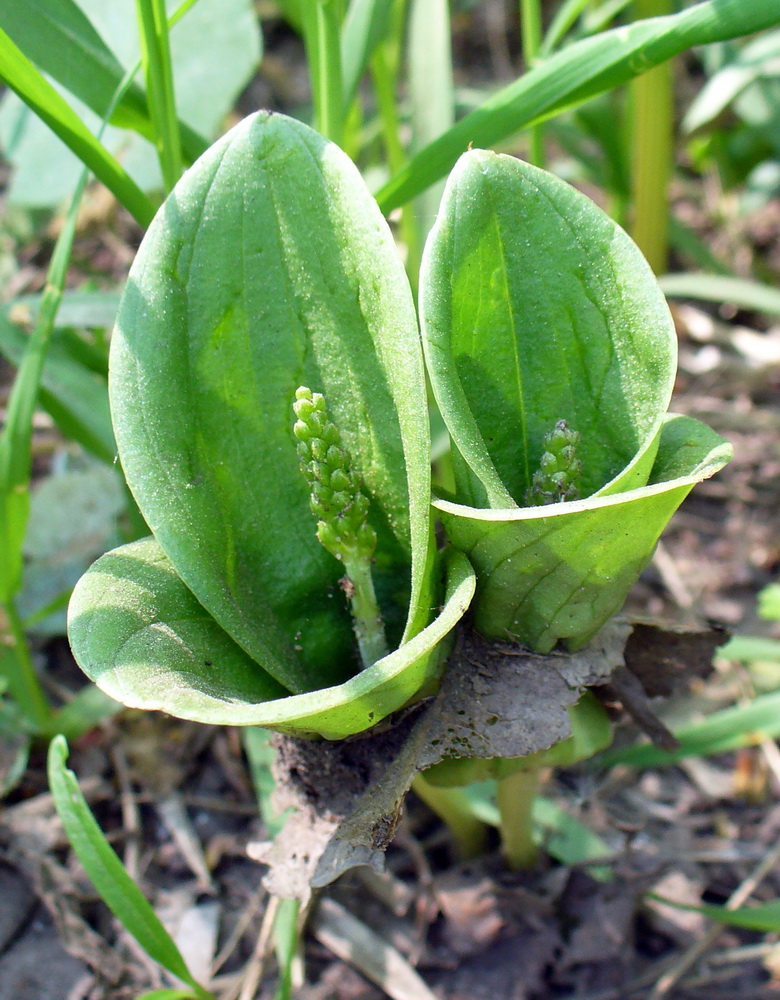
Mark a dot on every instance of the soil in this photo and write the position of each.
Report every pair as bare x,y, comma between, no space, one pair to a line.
177,801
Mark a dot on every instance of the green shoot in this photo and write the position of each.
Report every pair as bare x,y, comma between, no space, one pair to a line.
107,873
342,511
531,21
158,71
558,476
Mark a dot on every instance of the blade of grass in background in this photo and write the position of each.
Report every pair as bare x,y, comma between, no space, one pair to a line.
22,77
365,26
107,873
740,726
652,150
75,397
59,38
569,77
432,101
749,648
531,39
719,288
764,917
321,34
728,83
286,940
158,73
563,21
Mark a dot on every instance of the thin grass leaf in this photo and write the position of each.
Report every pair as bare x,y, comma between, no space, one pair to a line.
168,995
75,396
323,51
749,649
23,78
574,75
431,91
562,22
58,37
364,28
764,917
286,940
600,18
720,288
748,66
106,871
158,72
740,726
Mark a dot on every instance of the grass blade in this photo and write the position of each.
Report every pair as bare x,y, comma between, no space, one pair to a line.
431,90
721,288
740,726
158,72
58,37
106,871
561,24
764,917
323,52
569,77
23,78
364,28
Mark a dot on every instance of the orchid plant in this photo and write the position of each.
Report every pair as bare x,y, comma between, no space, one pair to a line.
269,401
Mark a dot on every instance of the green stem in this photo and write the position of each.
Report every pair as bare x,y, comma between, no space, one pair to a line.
652,150
531,23
158,72
323,52
18,668
384,79
367,619
516,794
452,806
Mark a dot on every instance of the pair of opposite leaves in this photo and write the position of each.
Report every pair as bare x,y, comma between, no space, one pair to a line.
269,267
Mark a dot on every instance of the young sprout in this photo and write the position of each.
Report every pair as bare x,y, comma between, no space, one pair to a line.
341,510
558,476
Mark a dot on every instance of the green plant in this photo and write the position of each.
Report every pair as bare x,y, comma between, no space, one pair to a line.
244,584
238,491
110,878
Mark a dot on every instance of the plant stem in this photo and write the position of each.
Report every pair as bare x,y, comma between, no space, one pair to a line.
158,72
516,795
383,76
321,25
531,21
17,667
652,150
452,806
367,619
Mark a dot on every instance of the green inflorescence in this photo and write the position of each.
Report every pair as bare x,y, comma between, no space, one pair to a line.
336,498
341,509
558,476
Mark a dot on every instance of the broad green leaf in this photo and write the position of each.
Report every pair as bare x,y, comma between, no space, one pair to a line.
270,267
575,74
729,729
108,874
560,572
721,288
21,76
142,637
537,307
